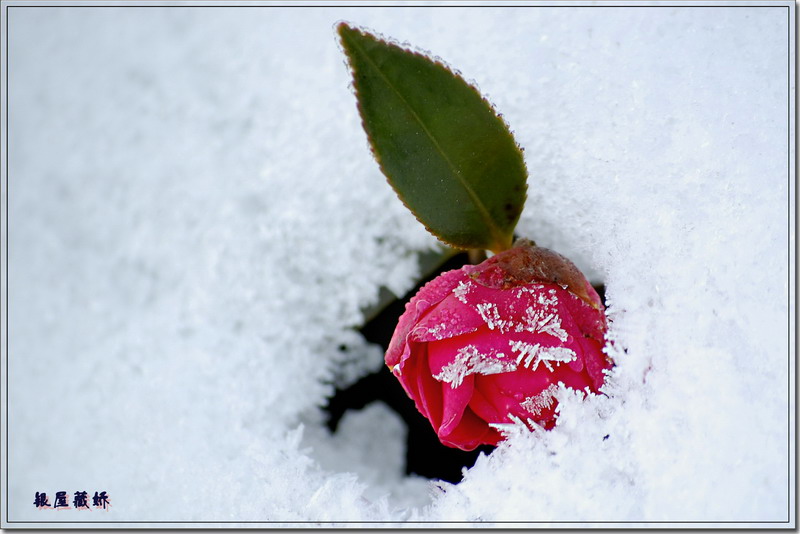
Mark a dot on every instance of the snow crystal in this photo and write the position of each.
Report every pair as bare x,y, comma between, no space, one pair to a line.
541,319
544,321
491,316
462,289
542,400
438,331
517,426
469,361
535,353
197,226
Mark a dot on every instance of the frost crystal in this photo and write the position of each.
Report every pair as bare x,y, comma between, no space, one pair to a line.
491,316
461,291
438,330
541,319
539,402
470,361
532,289
544,321
535,353
516,426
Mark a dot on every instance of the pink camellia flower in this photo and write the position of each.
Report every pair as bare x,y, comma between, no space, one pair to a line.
484,344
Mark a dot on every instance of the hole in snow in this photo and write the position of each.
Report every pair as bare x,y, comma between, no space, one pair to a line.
424,454
379,396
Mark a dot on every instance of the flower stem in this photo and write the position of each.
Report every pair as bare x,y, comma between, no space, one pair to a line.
476,255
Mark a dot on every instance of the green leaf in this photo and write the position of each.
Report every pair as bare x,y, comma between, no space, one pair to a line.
448,155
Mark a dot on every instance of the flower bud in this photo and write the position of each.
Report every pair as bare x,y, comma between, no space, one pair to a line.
481,345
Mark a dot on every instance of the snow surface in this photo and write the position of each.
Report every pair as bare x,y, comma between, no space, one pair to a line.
196,224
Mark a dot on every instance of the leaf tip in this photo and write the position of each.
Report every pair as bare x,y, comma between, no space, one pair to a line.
342,27
347,30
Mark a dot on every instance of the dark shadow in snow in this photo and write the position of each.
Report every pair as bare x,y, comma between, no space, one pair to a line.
425,455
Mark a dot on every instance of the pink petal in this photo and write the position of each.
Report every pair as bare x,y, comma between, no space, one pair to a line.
492,346
591,322
429,295
482,406
449,318
576,381
429,399
569,325
471,432
409,380
502,398
454,401
513,387
596,361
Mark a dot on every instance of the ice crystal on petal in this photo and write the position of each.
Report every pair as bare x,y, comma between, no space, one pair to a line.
438,330
544,321
461,290
531,289
470,361
544,318
516,427
544,300
539,402
533,353
490,315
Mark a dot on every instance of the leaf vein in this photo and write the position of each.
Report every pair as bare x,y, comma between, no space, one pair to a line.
496,232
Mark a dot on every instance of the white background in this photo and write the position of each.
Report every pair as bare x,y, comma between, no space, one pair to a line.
195,223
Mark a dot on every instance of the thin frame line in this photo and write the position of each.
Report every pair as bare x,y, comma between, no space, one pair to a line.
365,6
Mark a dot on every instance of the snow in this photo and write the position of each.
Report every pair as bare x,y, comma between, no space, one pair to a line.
469,361
534,354
462,290
540,401
196,224
542,319
491,316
